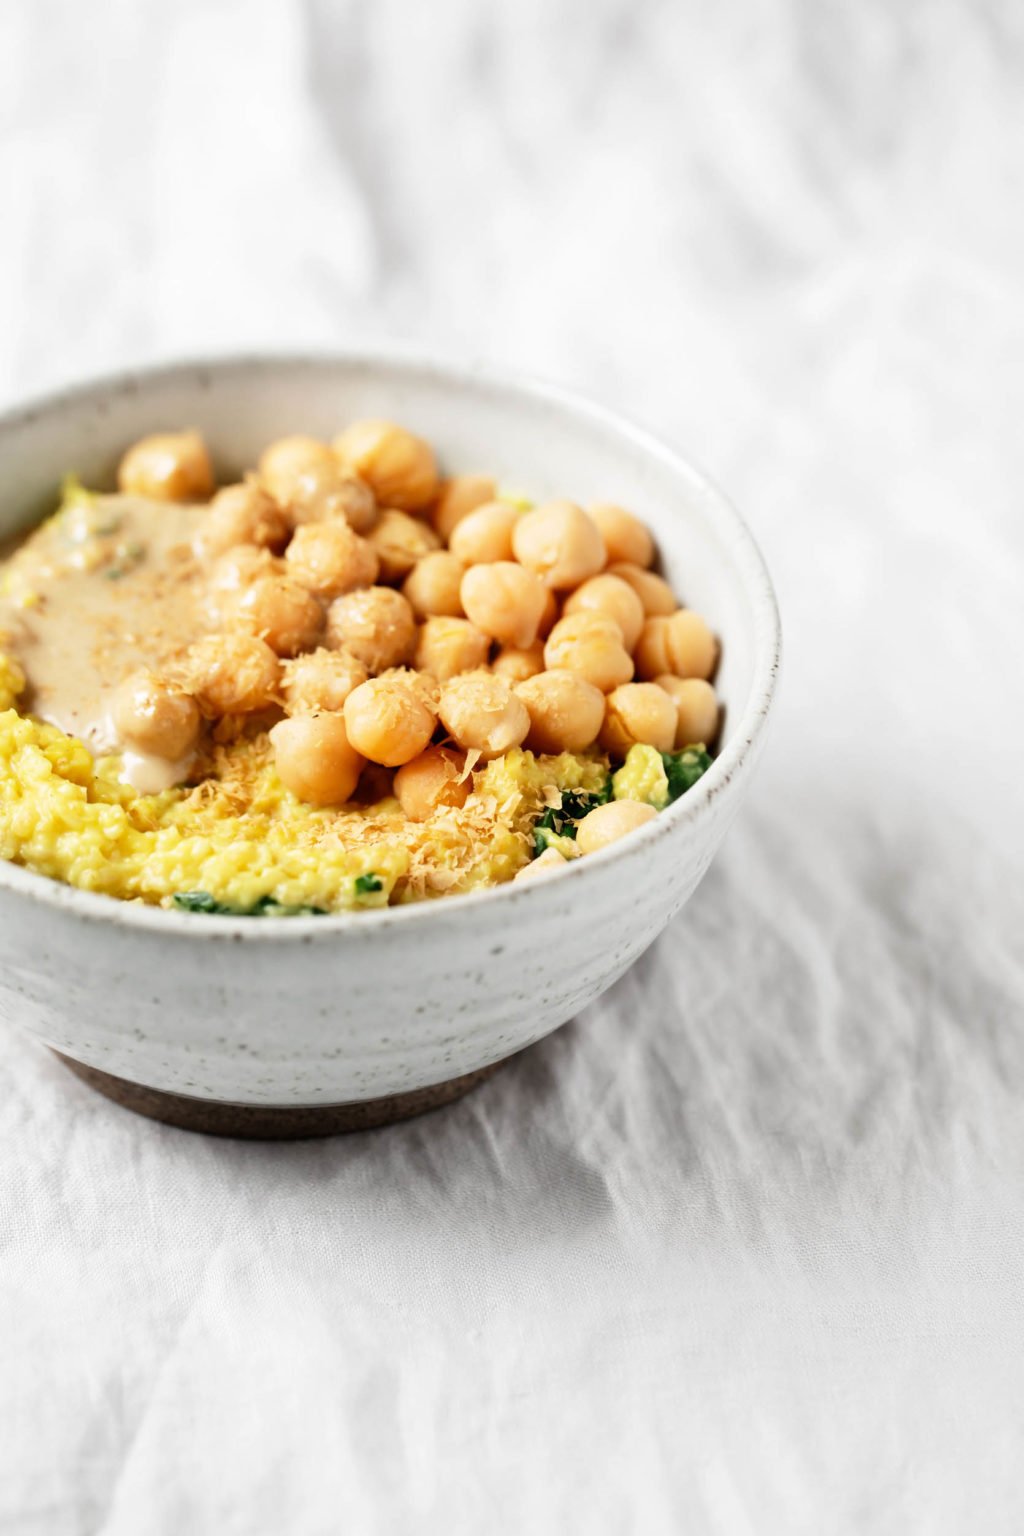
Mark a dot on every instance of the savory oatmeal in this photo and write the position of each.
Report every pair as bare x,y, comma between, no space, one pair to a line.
343,681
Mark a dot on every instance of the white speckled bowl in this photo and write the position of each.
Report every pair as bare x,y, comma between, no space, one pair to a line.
233,1021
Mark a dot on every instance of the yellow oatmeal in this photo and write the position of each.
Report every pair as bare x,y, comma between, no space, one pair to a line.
343,681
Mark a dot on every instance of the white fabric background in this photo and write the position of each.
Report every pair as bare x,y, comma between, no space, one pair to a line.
742,1249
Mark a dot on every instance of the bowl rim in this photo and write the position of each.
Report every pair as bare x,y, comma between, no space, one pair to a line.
737,539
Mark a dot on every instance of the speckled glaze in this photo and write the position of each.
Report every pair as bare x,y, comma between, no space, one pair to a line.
321,1011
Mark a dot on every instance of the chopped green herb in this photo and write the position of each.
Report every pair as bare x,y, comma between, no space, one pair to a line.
683,769
266,906
562,842
559,821
367,883
198,901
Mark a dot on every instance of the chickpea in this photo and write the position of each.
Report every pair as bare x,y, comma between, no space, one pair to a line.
321,680
504,600
485,534
240,566
231,574
282,462
559,543
590,645
154,716
430,782
482,714
459,496
330,559
388,720
376,624
281,612
694,647
446,646
432,586
614,598
399,467
331,492
315,759
653,591
516,663
681,644
607,823
242,515
544,864
401,540
565,711
231,674
697,709
169,466
635,713
549,618
625,536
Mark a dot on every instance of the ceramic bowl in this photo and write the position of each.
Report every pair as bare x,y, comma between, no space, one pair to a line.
279,1026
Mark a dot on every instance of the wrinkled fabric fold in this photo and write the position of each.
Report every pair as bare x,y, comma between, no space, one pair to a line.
741,1249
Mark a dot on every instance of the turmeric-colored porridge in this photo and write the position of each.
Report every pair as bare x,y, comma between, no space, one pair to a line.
341,682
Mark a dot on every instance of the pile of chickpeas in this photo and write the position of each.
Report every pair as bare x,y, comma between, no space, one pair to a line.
406,620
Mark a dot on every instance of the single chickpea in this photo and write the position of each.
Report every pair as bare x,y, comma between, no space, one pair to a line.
447,646
653,591
458,497
231,574
331,492
376,624
697,709
401,540
482,714
399,467
637,712
388,720
281,612
431,782
516,663
169,466
231,674
559,543
485,534
330,559
503,600
282,462
544,864
432,586
592,646
151,715
551,615
320,680
614,598
565,711
607,823
242,515
680,643
238,567
315,759
625,536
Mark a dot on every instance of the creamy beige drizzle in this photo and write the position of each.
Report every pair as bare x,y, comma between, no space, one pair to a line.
107,585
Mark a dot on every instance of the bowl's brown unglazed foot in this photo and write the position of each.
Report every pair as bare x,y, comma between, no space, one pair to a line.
273,1122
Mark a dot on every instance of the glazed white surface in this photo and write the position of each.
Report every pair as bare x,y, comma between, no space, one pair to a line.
741,1249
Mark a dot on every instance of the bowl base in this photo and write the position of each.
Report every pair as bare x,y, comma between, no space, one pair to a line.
273,1122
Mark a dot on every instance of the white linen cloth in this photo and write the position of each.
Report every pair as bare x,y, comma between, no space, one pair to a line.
742,1248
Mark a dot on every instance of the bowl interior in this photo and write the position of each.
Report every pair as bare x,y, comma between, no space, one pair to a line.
532,438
